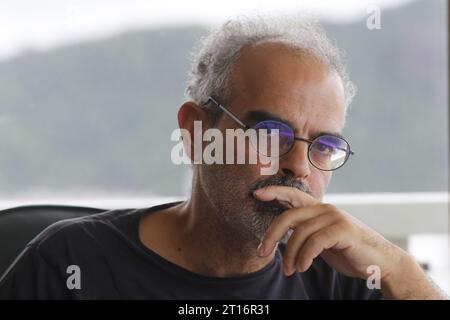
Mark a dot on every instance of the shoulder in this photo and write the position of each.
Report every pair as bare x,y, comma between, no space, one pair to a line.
81,231
42,269
102,230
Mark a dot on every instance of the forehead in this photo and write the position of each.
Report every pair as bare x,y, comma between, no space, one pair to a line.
289,83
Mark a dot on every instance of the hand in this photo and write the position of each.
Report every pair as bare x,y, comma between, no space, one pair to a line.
344,242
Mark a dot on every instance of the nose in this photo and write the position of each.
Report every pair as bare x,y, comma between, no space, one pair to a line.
296,162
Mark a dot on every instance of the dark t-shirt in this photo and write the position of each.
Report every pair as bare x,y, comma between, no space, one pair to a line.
114,264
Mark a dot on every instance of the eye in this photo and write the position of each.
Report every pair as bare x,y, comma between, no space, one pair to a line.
329,152
324,149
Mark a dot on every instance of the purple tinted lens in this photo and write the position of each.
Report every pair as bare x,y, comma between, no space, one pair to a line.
333,142
328,152
286,135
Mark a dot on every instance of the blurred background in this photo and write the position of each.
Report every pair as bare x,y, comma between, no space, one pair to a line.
89,91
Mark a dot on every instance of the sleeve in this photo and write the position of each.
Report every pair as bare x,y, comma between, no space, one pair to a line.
31,276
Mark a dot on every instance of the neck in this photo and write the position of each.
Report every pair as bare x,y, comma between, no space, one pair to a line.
210,246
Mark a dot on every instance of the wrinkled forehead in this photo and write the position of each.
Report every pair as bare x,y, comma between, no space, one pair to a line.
288,83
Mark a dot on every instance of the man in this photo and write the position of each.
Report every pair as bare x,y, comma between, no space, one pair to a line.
240,234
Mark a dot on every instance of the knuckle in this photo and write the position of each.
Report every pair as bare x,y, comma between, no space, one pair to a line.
336,215
314,240
304,227
287,219
328,207
300,228
349,226
332,211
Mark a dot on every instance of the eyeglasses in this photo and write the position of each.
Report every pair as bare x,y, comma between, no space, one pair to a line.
325,152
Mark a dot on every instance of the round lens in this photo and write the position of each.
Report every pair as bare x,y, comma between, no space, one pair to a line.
267,131
328,152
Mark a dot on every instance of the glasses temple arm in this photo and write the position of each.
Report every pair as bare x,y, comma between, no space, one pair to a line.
228,112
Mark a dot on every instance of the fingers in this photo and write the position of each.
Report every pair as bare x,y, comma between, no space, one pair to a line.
316,227
285,221
294,196
299,237
323,239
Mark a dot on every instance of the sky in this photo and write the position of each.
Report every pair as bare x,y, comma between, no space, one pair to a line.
45,24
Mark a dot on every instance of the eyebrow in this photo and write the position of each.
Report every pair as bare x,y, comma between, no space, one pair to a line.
257,115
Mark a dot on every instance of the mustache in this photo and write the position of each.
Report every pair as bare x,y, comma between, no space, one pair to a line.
285,180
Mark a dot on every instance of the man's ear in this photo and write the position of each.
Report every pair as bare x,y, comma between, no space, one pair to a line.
188,113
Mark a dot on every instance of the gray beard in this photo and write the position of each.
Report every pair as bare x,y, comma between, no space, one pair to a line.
248,224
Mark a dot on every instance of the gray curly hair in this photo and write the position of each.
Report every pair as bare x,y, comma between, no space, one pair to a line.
214,56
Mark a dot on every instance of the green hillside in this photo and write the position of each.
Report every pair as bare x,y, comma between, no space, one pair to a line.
98,115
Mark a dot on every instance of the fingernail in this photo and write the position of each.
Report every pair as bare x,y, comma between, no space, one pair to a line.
258,192
261,249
